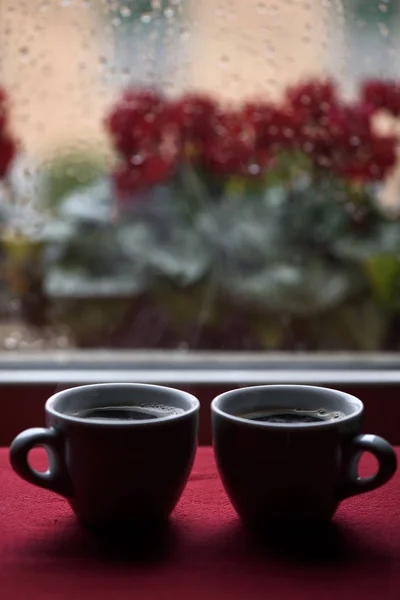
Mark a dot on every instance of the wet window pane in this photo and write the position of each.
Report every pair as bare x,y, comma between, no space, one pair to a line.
214,175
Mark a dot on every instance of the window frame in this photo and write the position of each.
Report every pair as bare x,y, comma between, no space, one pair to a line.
198,368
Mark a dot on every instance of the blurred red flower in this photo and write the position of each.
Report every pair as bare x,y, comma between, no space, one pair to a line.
8,146
275,128
139,122
194,114
128,178
153,136
382,95
358,152
312,100
229,147
146,136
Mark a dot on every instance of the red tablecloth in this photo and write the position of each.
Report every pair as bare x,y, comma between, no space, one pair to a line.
205,554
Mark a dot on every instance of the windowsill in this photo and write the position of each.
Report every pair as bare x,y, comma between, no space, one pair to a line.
198,368
28,379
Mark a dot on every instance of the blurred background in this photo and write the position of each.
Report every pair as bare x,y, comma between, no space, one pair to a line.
76,272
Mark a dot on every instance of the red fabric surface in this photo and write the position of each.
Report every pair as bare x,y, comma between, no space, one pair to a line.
205,554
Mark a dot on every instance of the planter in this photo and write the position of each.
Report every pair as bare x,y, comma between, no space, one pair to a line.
168,320
258,228
23,272
201,316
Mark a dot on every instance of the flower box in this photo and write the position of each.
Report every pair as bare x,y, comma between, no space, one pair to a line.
258,227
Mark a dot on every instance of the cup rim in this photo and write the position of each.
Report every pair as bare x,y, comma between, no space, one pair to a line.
50,406
268,425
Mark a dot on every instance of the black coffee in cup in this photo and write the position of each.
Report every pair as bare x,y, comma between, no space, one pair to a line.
289,453
121,453
129,413
293,415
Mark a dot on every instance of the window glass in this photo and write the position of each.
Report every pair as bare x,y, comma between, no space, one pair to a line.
214,175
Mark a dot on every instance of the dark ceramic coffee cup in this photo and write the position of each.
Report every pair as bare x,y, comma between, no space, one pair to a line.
114,471
280,472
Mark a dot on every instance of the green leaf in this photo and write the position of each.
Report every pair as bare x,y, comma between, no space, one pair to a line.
360,326
90,204
90,320
371,11
288,167
193,305
269,331
69,172
383,273
298,286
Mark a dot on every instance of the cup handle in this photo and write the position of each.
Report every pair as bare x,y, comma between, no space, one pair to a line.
385,456
55,478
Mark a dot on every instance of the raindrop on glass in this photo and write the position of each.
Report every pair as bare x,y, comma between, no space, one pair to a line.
184,34
169,13
146,18
383,29
261,8
24,53
125,12
254,169
62,341
137,159
11,342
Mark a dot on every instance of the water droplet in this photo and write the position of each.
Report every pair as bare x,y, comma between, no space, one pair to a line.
254,169
146,18
383,29
24,53
125,12
156,4
184,35
261,8
137,159
47,70
11,342
169,13
308,147
225,59
62,341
